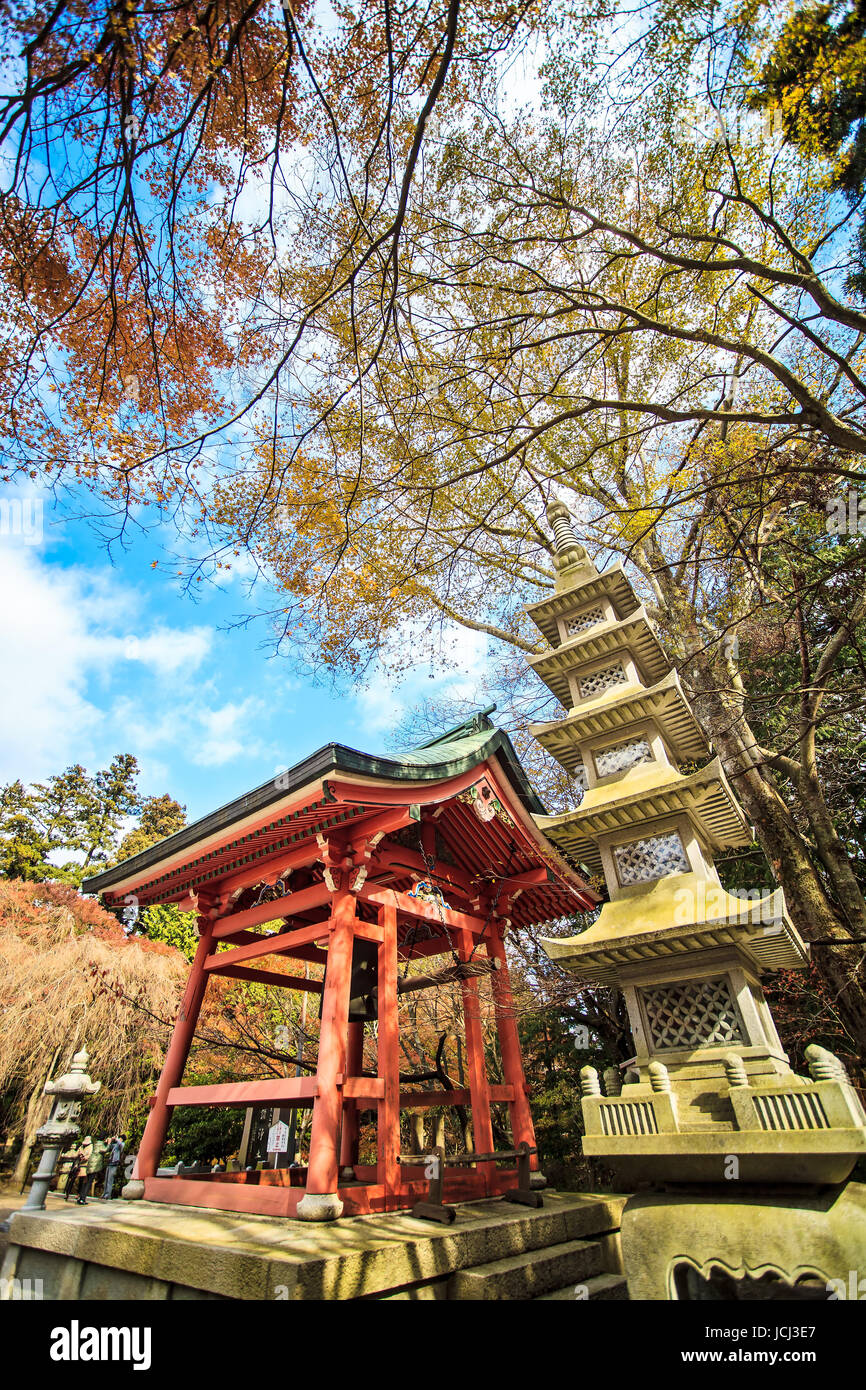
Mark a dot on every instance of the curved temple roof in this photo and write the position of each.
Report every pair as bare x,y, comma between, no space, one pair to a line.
338,786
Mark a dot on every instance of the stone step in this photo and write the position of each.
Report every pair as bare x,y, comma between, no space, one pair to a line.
483,1233
706,1127
600,1286
530,1274
597,1287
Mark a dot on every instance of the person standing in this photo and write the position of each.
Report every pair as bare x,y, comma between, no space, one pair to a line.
116,1150
76,1163
92,1168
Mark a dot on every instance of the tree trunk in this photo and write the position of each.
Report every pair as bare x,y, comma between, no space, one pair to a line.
37,1111
810,909
720,712
833,855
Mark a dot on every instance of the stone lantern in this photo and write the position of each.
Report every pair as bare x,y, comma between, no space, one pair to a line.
68,1091
709,1111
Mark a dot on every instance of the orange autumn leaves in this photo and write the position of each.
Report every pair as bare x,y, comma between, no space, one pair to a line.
127,276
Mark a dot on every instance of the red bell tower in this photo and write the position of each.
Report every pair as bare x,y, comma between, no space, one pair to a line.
435,853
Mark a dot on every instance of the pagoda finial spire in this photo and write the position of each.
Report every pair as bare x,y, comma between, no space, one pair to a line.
570,554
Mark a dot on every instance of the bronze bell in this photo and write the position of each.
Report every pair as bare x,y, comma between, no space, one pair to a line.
363,983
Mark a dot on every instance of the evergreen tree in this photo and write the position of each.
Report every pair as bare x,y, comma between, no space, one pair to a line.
71,813
160,817
815,77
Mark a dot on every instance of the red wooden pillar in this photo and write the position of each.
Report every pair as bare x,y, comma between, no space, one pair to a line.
320,1201
159,1118
351,1126
479,1087
389,1061
509,1042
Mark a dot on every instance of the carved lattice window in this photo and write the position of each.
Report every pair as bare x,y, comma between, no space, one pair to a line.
696,1013
603,679
620,756
643,860
587,617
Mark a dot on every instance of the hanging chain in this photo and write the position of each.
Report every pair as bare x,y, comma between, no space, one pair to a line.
439,899
492,910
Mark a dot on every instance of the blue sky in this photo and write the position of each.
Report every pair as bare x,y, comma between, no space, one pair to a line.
101,658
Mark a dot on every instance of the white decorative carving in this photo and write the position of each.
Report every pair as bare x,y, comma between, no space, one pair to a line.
642,860
695,1013
603,679
586,618
620,756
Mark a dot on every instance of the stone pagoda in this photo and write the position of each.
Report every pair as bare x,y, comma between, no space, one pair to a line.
709,1081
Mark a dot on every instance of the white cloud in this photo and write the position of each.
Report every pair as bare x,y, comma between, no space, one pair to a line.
63,630
225,733
44,627
201,733
455,669
168,650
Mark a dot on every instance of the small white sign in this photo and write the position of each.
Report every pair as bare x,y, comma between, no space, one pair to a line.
278,1138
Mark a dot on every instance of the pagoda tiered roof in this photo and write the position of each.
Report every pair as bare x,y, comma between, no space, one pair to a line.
644,727
606,639
646,796
642,925
613,712
611,583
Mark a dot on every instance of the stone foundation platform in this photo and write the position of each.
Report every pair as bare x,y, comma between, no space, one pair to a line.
150,1251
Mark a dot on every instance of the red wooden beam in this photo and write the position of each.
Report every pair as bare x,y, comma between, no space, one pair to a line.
365,1088
268,946
388,1063
425,911
310,953
323,1165
509,1045
385,823
479,1084
410,861
271,867
279,1090
432,946
268,977
369,931
426,1100
269,870
153,1138
269,1198
529,878
418,793
315,896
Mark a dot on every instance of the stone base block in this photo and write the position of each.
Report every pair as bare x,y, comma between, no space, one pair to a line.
729,1244
319,1206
